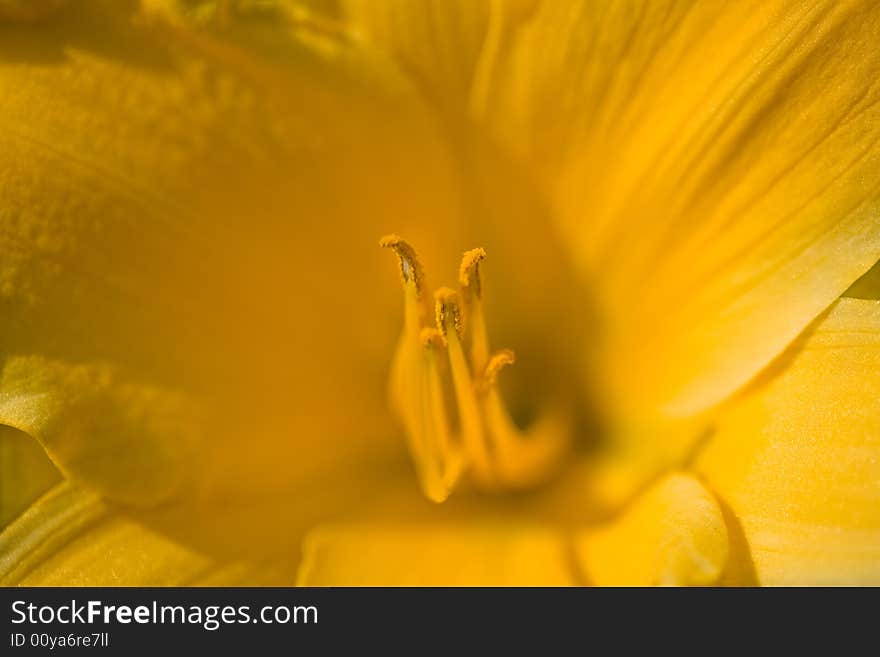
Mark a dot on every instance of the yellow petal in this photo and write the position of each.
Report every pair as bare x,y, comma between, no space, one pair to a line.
798,458
352,555
673,534
186,223
25,473
472,539
450,48
69,537
715,169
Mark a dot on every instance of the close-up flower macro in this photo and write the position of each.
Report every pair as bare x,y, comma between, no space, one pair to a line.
439,293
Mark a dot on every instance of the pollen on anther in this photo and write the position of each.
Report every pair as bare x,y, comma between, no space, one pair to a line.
447,308
496,363
469,271
410,267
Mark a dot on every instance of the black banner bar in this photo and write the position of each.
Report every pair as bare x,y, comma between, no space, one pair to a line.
131,621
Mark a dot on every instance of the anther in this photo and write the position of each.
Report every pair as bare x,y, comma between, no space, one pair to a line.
472,292
469,273
496,363
447,310
410,267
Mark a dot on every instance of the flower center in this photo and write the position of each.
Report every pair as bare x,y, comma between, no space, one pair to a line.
487,446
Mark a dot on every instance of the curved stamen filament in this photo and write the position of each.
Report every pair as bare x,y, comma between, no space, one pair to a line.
522,459
404,366
450,325
416,391
444,461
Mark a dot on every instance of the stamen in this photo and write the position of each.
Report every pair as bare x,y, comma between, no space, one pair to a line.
448,313
490,445
410,267
416,389
496,364
472,293
438,460
522,459
413,279
469,273
447,310
445,458
404,384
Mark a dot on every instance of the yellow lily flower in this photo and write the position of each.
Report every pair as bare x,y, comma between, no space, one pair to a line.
672,201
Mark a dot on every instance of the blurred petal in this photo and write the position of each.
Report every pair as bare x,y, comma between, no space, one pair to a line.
451,51
187,225
716,171
450,48
674,533
69,537
434,556
25,473
28,10
797,460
